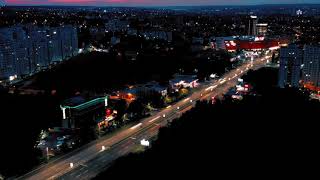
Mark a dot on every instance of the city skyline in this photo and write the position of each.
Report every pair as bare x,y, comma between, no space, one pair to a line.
96,89
153,3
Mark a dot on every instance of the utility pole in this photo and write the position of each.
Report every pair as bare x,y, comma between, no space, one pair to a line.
47,153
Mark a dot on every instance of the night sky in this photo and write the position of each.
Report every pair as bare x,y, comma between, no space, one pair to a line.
154,2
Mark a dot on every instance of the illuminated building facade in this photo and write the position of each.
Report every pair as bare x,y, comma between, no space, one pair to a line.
26,49
291,58
78,111
311,68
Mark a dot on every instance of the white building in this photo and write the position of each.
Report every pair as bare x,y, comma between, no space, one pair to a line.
186,81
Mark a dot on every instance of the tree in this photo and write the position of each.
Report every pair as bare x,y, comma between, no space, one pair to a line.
136,109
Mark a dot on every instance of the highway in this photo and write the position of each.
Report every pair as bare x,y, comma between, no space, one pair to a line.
91,160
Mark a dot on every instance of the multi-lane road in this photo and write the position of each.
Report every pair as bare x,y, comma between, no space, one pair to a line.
87,162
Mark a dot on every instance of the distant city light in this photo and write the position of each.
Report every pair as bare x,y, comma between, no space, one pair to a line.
299,12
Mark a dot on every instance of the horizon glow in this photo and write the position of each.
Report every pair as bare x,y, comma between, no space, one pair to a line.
154,2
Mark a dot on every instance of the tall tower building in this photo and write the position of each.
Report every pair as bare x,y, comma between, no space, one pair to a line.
252,27
291,58
311,70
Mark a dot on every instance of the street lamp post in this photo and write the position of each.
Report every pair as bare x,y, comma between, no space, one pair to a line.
47,153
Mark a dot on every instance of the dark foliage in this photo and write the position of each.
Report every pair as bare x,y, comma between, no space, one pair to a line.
22,118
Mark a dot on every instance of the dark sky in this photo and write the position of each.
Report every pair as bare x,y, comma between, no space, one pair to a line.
154,2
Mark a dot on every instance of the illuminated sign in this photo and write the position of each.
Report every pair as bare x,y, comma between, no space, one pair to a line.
64,113
106,102
144,142
259,38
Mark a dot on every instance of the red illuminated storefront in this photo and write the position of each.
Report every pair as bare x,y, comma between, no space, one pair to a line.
257,45
251,45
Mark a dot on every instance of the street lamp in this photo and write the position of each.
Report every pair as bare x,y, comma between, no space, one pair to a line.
71,165
47,153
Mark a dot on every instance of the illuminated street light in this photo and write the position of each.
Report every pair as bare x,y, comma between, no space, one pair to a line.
178,107
164,115
191,100
103,148
71,165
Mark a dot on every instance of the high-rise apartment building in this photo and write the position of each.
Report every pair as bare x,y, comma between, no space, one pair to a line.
291,58
252,27
311,68
26,49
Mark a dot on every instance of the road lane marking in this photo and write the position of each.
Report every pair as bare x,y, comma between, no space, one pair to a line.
211,87
223,81
135,126
152,120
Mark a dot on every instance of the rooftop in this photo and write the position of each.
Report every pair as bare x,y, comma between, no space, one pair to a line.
80,103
